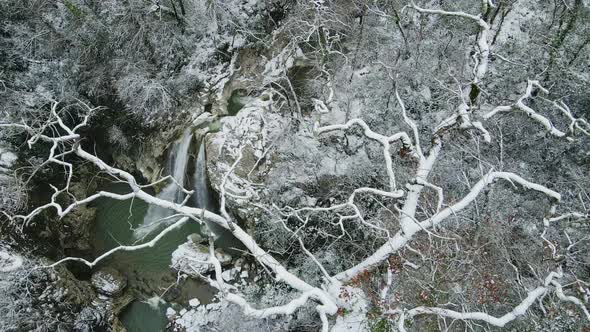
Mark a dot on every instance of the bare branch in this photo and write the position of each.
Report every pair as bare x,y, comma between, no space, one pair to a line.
149,244
384,140
521,106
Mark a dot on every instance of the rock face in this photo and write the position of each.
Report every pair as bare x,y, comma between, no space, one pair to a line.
102,313
75,230
38,299
295,167
109,281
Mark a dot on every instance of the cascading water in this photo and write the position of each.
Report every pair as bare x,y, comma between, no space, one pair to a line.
203,197
157,217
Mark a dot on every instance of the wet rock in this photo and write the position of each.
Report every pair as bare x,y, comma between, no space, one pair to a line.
109,281
117,325
173,293
75,229
121,302
101,315
197,238
68,289
146,156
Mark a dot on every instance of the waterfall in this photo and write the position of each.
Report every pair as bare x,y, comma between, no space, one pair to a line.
156,216
203,198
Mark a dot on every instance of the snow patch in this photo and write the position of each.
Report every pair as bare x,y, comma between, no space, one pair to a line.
9,262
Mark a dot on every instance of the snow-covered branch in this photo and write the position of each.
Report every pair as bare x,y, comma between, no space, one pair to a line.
410,123
567,298
327,305
410,227
439,192
542,120
482,58
519,310
576,124
148,244
384,140
474,18
571,215
462,117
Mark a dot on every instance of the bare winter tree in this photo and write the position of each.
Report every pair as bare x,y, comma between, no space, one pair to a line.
425,217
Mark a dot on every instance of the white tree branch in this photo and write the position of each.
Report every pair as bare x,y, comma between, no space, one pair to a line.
327,305
521,309
521,106
384,140
148,244
410,228
410,123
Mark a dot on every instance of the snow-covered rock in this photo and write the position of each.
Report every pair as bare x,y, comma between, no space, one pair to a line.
223,257
170,313
191,258
12,189
9,262
227,275
223,316
108,281
7,158
194,302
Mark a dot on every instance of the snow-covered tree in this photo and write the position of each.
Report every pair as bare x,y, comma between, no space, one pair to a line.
394,165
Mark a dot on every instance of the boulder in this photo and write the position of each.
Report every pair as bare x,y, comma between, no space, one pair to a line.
194,302
108,281
189,258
